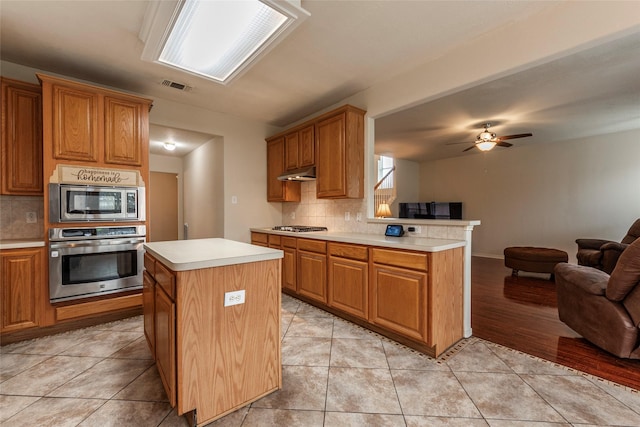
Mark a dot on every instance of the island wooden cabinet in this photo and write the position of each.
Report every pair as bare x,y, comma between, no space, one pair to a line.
87,124
348,280
340,154
214,357
21,278
159,319
279,191
21,138
312,269
300,148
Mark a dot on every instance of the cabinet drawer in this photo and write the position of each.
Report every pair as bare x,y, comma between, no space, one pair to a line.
259,239
166,279
289,242
348,251
274,240
150,264
312,246
413,260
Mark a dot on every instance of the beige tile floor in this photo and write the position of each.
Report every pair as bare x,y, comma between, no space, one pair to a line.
334,374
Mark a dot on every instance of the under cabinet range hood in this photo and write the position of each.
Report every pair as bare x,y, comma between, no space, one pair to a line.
303,174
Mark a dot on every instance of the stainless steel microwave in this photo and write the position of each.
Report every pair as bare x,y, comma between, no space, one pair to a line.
73,203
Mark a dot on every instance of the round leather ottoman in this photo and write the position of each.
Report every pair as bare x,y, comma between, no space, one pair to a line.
532,259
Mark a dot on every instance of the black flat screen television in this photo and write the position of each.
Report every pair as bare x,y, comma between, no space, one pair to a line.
431,210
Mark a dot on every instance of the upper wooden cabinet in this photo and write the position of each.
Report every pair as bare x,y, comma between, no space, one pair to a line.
83,123
279,191
75,123
340,154
333,143
126,130
300,148
21,138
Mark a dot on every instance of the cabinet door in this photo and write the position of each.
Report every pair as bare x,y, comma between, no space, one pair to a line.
21,138
75,124
399,301
331,180
306,147
279,191
291,151
21,279
148,311
165,310
348,286
124,123
312,275
289,269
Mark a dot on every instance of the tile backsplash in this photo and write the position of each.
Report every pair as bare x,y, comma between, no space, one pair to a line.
13,217
331,214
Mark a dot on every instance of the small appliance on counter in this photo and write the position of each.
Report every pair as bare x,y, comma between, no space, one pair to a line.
394,230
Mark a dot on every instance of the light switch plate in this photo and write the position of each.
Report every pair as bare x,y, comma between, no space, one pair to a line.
233,298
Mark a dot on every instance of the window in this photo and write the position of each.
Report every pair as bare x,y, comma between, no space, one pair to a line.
385,165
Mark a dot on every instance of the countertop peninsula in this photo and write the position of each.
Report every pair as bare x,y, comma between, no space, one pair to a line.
422,244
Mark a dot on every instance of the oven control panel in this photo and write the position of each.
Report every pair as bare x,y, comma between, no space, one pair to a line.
59,234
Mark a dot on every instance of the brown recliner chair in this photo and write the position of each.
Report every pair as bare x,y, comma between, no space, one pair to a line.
603,309
604,254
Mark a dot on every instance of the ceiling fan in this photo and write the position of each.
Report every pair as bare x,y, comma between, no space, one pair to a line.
487,140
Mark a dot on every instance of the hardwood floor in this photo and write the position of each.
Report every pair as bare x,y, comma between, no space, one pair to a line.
521,313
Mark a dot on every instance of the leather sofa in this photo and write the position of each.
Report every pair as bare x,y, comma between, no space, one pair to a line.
604,254
603,308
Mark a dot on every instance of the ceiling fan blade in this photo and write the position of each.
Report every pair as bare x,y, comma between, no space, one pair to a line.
503,144
520,135
470,148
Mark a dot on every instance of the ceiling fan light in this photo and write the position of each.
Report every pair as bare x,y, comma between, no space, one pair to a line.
486,135
485,145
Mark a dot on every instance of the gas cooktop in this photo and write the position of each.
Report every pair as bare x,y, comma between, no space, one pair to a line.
298,228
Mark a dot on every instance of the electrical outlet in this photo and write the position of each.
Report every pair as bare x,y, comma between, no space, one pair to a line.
234,200
31,218
416,229
233,298
347,216
293,215
359,216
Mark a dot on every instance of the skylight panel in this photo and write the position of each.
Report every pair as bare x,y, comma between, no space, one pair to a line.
217,39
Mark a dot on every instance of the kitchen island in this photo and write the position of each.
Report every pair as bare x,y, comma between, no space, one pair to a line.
410,289
212,322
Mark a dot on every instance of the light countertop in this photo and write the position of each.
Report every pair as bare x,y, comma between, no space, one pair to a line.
422,244
21,243
183,255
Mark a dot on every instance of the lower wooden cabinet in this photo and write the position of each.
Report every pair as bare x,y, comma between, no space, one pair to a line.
399,301
21,280
312,269
289,279
348,281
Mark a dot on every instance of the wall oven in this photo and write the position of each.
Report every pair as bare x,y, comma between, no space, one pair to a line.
74,203
92,261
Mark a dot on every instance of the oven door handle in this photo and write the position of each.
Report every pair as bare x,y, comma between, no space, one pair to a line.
90,243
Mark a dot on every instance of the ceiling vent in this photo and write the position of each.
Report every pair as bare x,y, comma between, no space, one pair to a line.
180,86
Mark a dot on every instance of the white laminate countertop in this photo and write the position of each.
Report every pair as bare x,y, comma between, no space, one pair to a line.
183,255
422,244
21,243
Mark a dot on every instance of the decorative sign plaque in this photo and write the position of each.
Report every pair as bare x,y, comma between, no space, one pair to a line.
97,176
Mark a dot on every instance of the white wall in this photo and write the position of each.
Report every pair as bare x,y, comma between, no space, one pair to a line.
407,176
543,195
204,190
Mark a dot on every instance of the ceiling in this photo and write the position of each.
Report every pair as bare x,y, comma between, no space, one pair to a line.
343,48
